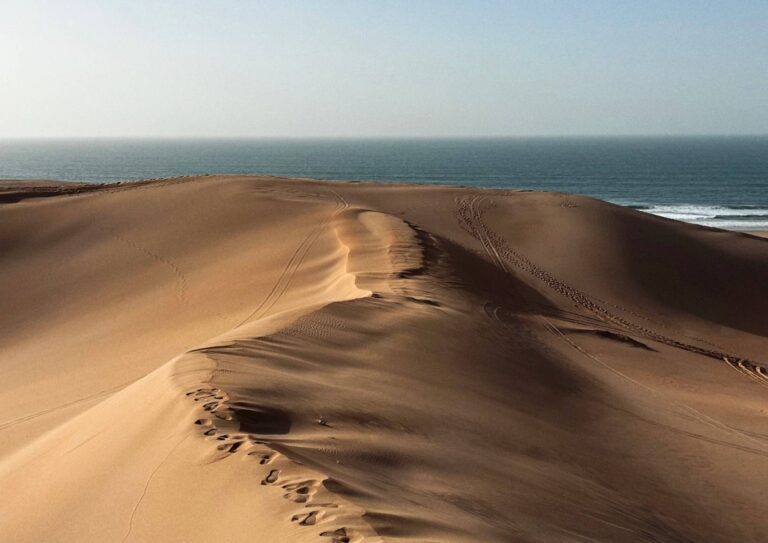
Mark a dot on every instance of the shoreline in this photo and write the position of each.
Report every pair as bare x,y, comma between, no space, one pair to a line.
12,190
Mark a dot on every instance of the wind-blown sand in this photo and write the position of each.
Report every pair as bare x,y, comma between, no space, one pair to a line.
264,360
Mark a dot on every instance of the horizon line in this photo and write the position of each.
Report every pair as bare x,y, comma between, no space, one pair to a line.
396,137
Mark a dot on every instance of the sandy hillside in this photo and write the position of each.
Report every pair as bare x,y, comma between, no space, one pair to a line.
269,360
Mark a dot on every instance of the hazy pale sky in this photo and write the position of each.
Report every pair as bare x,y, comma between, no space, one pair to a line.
387,68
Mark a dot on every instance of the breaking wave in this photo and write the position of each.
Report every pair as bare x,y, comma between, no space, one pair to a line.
734,217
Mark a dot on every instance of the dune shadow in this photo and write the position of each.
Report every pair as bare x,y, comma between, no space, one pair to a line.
256,419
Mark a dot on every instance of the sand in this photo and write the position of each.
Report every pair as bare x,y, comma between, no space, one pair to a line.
264,360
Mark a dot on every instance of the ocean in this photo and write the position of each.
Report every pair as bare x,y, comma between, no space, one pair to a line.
713,181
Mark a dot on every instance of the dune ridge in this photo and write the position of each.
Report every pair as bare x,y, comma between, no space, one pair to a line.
251,358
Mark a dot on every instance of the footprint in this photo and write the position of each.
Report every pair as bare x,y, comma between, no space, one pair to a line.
264,458
308,519
230,448
213,401
299,492
296,498
271,478
304,485
202,392
338,536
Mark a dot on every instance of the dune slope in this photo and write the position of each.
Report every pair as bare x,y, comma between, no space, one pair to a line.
262,359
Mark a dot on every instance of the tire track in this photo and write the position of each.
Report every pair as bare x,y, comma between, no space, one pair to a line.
10,423
469,214
294,263
695,413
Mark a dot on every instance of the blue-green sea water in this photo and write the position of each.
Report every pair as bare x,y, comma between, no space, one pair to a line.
715,181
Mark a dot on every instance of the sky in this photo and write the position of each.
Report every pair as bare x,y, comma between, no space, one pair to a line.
417,68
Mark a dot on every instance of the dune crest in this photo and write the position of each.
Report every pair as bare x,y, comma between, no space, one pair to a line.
263,359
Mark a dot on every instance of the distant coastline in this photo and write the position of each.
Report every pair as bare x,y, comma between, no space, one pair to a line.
717,181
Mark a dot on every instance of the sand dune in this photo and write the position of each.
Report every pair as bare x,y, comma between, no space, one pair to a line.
262,359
